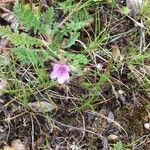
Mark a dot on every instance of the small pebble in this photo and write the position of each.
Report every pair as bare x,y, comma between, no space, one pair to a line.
1,129
99,66
120,92
112,137
147,126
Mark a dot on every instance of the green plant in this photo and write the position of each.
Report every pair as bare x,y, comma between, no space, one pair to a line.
118,146
34,50
145,14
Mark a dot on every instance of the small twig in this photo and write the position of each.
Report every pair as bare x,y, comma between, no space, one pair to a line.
82,44
136,22
79,129
83,128
9,119
145,48
105,101
114,38
8,133
32,132
142,38
118,81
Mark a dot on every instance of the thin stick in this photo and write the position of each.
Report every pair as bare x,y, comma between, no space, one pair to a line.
11,118
79,129
32,132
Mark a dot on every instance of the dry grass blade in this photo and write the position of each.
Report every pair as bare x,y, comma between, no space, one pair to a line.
8,16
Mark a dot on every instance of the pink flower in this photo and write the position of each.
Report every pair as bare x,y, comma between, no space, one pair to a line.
60,72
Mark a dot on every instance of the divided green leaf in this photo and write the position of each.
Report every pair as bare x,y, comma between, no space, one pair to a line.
27,17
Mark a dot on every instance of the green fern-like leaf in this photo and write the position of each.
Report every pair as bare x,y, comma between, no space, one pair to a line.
78,61
25,55
17,39
5,32
67,5
118,146
48,16
78,21
31,56
75,26
24,39
48,21
26,17
72,27
72,39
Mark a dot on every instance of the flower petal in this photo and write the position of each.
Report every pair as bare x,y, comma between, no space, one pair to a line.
63,78
67,68
53,75
60,72
56,66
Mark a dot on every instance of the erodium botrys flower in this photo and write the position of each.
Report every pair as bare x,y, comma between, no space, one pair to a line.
60,73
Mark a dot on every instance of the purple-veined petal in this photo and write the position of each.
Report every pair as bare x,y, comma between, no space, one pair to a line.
55,72
60,72
56,66
67,68
63,78
54,75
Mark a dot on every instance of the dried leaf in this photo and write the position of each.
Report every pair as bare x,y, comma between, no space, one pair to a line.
8,148
42,106
111,117
147,126
112,137
17,145
134,6
115,52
